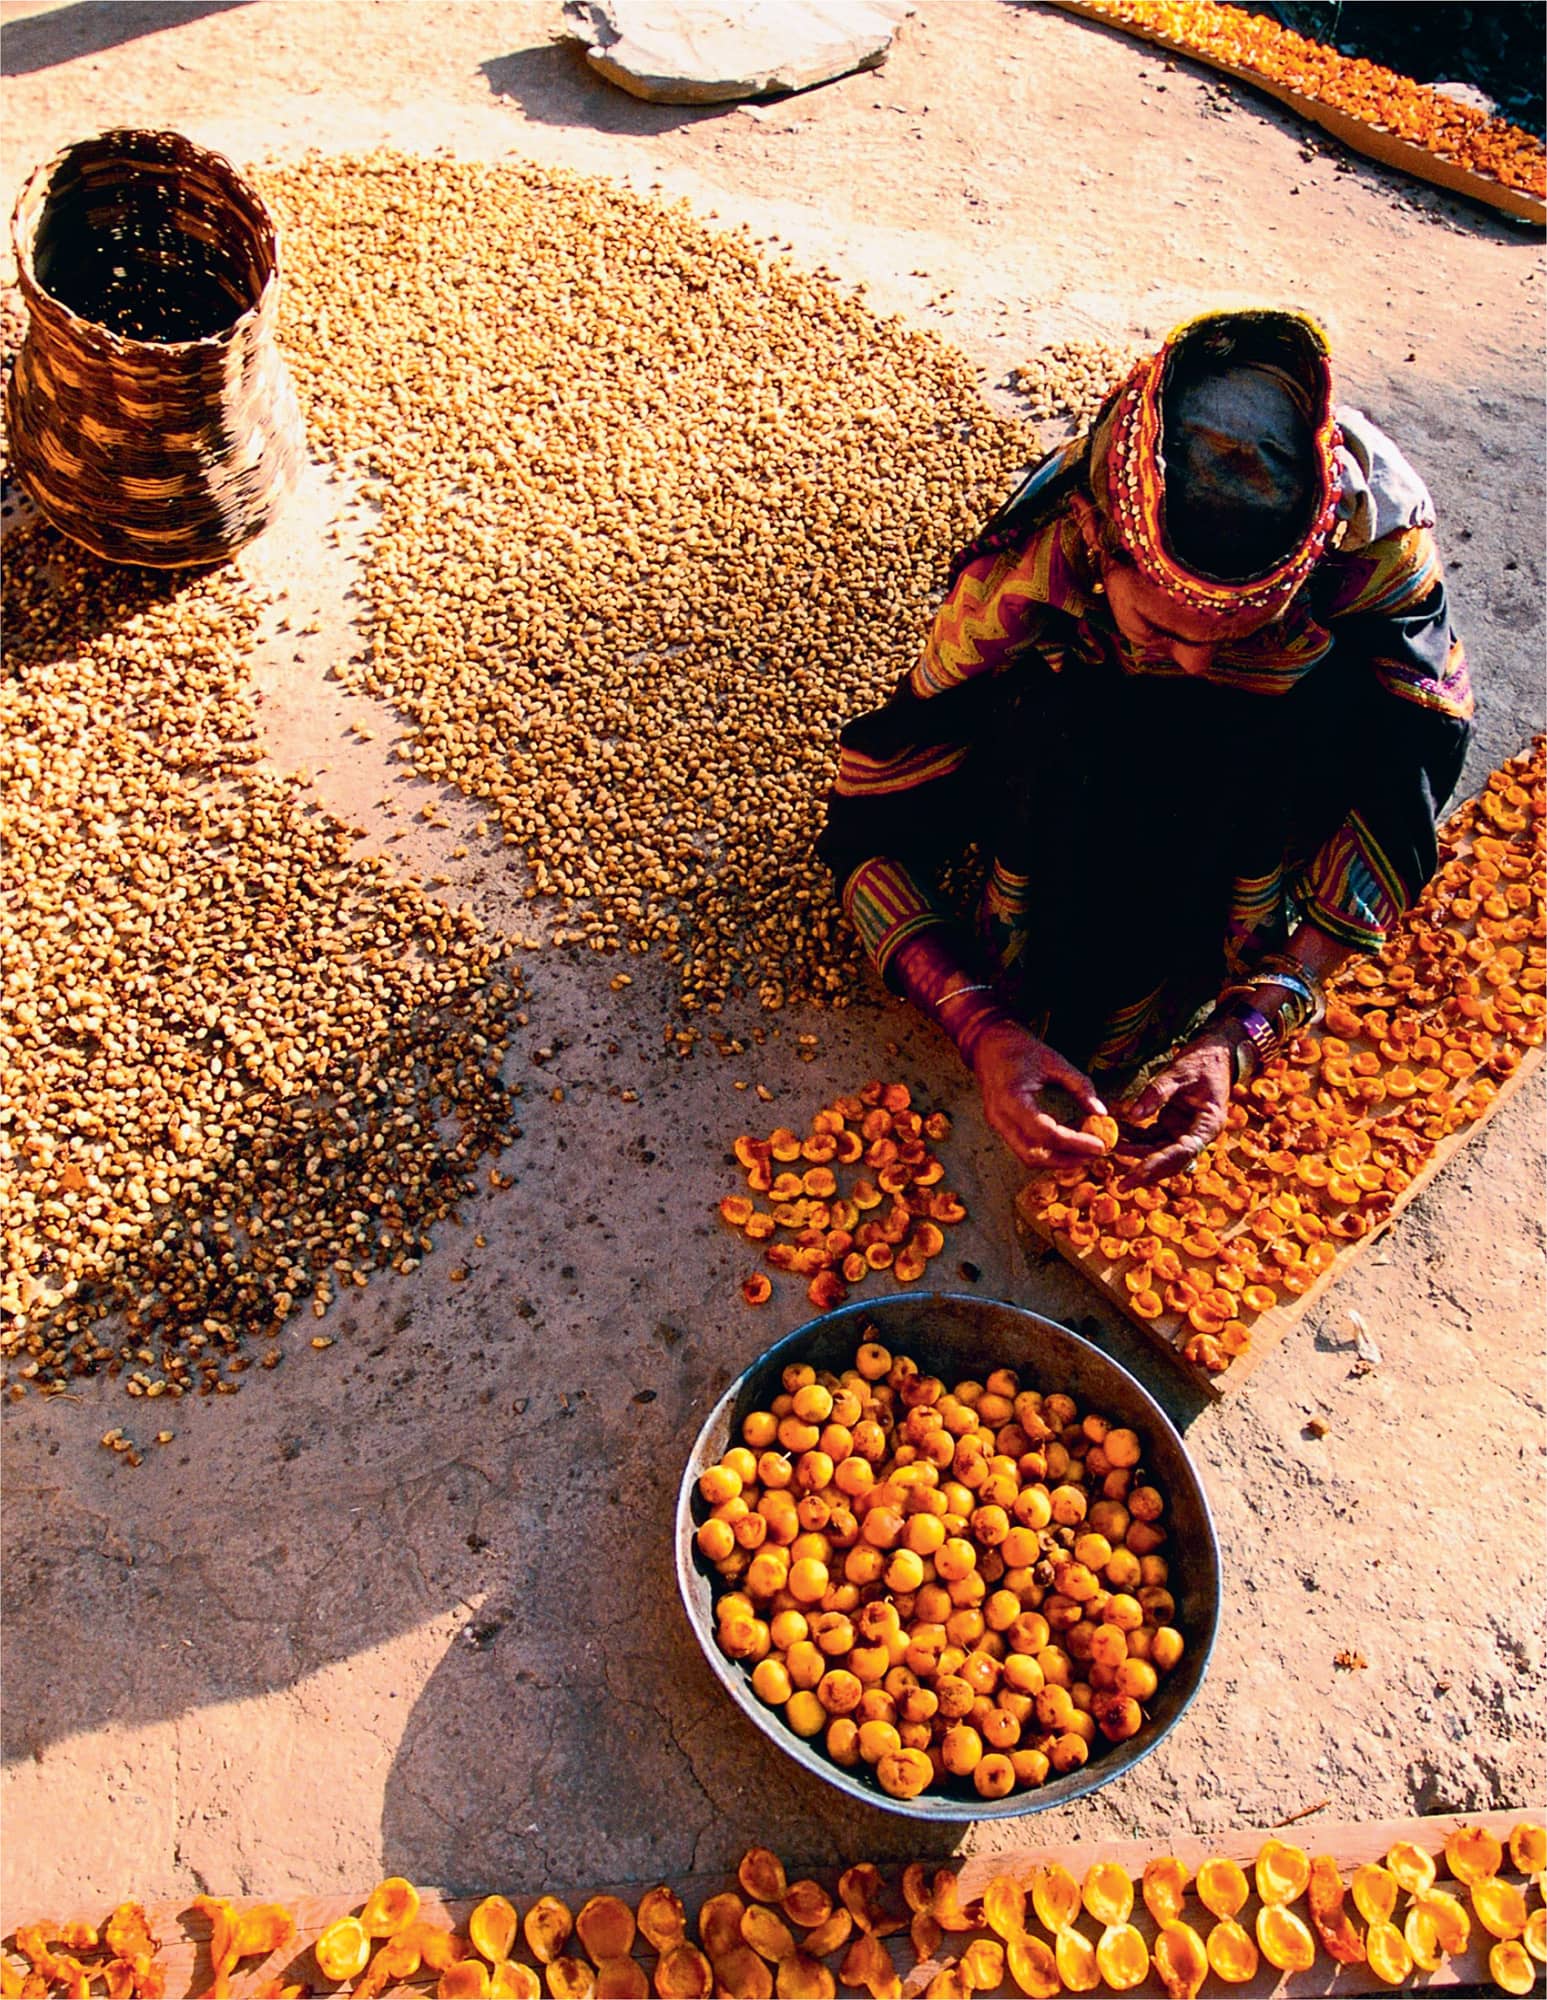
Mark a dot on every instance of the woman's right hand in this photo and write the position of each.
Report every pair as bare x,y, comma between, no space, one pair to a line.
1013,1069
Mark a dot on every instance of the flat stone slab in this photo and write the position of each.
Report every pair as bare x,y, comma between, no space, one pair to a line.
714,51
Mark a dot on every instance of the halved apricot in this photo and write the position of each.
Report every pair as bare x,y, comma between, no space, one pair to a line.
342,1949
1375,1892
1055,1896
390,1907
1004,1907
862,1891
605,1926
1283,1870
662,1920
767,1933
1472,1854
1164,1887
683,1973
1107,1892
468,1979
1284,1939
546,1928
1500,1907
1386,1953
1510,1968
1222,1886
806,1903
1075,1957
1528,1847
1122,1956
1421,1939
982,1965
1231,1951
1181,1959
1452,1925
867,1963
1033,1968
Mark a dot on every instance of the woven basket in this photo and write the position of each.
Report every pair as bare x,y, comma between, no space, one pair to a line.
151,417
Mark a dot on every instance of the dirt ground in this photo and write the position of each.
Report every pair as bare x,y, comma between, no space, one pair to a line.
407,1605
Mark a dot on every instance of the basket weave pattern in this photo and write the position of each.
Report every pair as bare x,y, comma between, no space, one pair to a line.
151,416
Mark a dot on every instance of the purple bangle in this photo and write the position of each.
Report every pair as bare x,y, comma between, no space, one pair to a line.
1260,1036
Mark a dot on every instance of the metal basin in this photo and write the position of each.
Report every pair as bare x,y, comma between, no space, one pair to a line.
955,1336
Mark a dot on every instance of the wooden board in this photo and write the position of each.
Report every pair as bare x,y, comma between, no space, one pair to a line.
1443,928
184,1932
1374,141
1270,1328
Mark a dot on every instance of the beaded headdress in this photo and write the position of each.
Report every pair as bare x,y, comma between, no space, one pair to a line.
1128,454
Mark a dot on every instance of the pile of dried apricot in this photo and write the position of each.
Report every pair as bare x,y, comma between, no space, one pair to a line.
770,1934
941,1583
1377,96
892,1216
1318,1149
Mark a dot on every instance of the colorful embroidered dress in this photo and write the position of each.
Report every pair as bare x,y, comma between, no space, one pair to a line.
1146,831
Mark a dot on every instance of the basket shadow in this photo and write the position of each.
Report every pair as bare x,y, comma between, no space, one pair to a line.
91,27
97,596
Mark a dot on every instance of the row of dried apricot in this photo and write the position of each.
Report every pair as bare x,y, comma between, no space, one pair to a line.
746,1940
1319,1148
1377,96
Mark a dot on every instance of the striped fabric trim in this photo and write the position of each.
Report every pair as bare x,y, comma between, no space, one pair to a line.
995,605
1002,915
887,906
861,776
1256,899
1351,889
1393,576
1450,695
1126,1032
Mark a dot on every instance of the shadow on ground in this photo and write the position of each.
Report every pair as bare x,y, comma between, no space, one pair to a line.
92,27
554,85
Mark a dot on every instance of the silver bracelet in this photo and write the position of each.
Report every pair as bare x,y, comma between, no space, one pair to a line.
957,991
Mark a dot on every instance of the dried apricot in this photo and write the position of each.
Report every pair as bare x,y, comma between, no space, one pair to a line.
1222,1886
1164,1885
1123,1956
546,1927
1472,1854
342,1949
1181,1959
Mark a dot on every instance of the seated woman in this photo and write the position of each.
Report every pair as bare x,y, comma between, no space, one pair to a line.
1195,696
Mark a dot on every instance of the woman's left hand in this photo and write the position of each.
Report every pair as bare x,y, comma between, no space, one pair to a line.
1189,1099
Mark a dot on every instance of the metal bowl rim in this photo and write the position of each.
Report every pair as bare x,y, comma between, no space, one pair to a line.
938,1808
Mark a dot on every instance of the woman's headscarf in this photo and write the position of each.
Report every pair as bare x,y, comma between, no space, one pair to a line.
1214,464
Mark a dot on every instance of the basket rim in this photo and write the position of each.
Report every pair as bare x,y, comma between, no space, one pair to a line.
23,234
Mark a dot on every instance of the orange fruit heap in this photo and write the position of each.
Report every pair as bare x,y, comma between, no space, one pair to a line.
1377,96
770,1934
1416,1045
891,1217
941,1583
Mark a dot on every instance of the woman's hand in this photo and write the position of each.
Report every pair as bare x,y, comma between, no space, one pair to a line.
1013,1069
1189,1099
